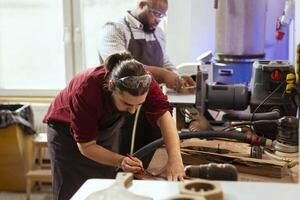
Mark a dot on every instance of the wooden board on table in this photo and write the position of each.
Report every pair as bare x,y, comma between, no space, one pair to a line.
225,146
118,190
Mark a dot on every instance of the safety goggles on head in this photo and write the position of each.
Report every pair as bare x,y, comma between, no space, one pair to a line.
155,12
135,82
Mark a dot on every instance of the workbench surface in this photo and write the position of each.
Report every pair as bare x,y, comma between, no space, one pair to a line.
231,190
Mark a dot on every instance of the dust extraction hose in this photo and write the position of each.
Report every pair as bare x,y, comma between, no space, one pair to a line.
241,137
257,116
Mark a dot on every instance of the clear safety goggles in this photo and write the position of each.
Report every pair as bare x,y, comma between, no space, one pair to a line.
155,12
135,82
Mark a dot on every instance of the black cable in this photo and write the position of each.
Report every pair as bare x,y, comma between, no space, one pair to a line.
283,105
265,100
275,114
235,127
246,124
202,134
254,122
290,98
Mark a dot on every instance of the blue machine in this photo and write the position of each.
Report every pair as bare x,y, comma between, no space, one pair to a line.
232,73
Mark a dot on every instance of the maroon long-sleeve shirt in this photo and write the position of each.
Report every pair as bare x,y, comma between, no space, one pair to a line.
84,106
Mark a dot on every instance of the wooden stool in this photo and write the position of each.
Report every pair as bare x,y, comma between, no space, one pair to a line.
41,172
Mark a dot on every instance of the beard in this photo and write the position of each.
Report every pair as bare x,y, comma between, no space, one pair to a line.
147,28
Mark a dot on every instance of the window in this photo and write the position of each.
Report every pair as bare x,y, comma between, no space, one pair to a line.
31,45
44,43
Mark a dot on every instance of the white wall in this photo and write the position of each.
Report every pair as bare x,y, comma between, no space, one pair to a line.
275,49
190,29
297,22
178,31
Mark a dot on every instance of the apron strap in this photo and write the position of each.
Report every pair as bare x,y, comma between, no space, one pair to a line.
131,34
130,30
155,37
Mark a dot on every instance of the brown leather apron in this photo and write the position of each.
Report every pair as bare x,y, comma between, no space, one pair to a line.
70,169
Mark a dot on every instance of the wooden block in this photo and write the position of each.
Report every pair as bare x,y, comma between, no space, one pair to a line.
202,188
118,190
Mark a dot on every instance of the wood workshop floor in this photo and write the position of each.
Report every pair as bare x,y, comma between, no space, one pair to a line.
44,194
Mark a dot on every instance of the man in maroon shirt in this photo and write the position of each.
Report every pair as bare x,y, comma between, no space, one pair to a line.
84,122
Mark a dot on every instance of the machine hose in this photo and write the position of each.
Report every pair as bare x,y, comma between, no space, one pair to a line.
275,114
241,137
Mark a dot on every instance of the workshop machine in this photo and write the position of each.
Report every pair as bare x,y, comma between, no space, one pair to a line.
260,98
240,39
268,121
272,105
268,77
237,78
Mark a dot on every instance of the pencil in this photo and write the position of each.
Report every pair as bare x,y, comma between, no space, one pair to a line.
131,158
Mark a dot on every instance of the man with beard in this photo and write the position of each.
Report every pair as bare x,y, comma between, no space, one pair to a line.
138,33
84,125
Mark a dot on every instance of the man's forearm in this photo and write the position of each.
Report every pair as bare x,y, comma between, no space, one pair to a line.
158,73
170,135
99,154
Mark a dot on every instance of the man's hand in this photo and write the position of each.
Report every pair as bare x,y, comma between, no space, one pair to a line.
185,84
170,78
172,171
173,81
132,164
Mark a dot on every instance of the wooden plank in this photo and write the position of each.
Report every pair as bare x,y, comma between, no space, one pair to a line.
269,168
234,149
224,146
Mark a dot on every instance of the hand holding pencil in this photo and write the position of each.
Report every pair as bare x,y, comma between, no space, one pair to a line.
132,164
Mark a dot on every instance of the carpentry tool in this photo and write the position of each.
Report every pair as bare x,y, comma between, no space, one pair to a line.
199,190
118,190
212,171
267,99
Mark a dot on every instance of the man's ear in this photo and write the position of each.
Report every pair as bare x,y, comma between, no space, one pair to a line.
142,4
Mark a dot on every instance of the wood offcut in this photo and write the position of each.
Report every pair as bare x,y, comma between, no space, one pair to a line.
118,190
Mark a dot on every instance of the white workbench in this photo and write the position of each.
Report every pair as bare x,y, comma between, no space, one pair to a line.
231,190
